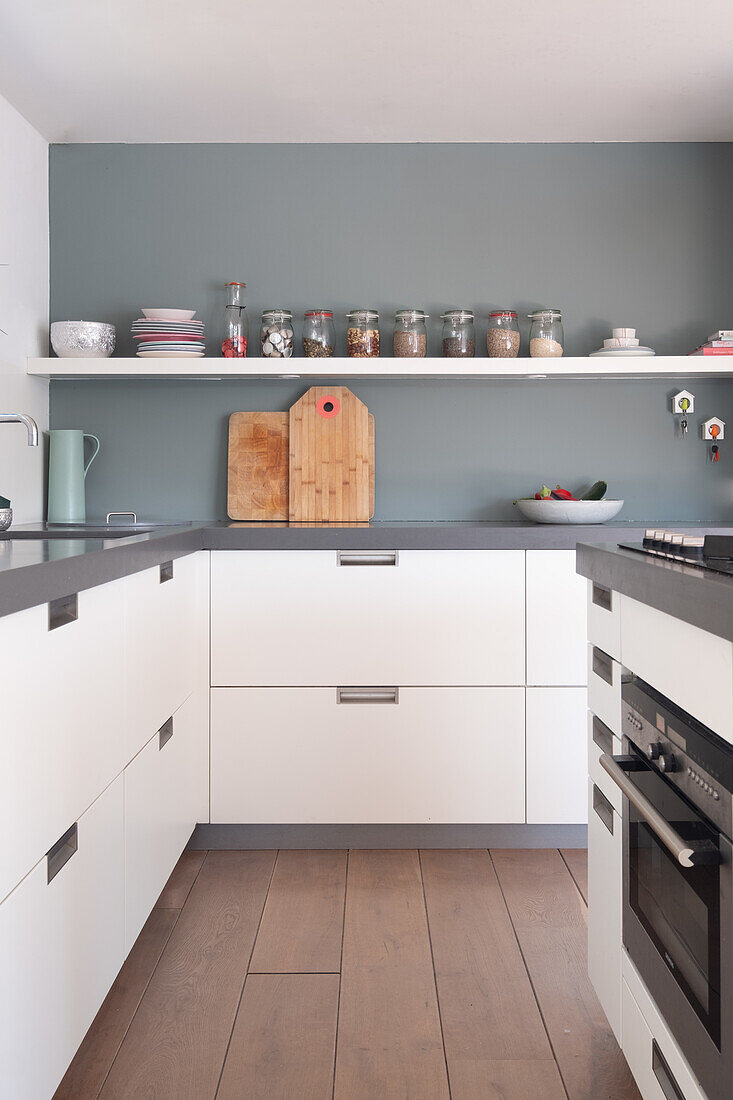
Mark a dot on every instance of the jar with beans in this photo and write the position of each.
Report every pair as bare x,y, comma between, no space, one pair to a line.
319,340
276,334
459,341
546,336
362,335
410,334
502,335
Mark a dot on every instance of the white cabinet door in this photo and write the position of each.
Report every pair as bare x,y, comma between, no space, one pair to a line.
604,619
604,904
298,618
284,755
660,1072
63,720
556,619
557,761
164,636
165,794
604,688
61,946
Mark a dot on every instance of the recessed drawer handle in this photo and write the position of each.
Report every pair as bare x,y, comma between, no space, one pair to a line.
62,851
165,733
664,1075
348,557
367,695
603,665
603,808
602,736
602,597
166,572
62,611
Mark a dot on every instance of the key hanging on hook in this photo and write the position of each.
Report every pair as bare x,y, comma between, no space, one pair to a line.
715,453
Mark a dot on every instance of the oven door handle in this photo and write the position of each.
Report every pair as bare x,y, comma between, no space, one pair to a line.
670,838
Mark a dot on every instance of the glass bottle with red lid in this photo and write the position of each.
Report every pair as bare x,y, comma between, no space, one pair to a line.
234,337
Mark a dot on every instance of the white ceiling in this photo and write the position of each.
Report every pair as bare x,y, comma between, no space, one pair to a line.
370,70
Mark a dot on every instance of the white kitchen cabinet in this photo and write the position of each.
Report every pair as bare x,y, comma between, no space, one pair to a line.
604,619
690,666
61,945
659,1069
557,761
418,618
296,755
556,620
604,688
602,740
604,903
63,729
165,795
165,628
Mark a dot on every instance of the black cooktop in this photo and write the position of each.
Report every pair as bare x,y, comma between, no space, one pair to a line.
712,552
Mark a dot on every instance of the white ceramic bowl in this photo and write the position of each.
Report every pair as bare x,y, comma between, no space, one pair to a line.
82,339
570,511
169,314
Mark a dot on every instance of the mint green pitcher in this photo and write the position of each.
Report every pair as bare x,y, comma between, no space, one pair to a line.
66,473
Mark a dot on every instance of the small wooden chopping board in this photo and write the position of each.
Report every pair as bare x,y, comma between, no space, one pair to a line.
329,457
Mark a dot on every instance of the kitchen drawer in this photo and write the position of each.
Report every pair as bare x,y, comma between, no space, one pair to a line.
604,619
658,1067
604,688
419,618
688,665
286,755
605,903
557,766
63,727
556,620
164,632
61,946
600,740
166,789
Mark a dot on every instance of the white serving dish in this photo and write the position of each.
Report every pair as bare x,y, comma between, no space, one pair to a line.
624,351
169,314
82,339
570,511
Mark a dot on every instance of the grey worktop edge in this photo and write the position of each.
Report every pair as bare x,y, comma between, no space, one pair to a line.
695,596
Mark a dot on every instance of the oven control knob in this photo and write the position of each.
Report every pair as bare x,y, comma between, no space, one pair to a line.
667,763
654,751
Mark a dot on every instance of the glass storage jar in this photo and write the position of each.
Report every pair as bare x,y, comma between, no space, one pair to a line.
502,335
276,334
546,337
234,336
459,341
362,335
410,334
319,339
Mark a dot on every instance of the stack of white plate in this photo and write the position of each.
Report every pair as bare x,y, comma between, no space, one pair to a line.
623,342
169,334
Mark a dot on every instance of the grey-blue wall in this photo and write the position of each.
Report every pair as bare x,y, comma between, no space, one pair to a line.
612,234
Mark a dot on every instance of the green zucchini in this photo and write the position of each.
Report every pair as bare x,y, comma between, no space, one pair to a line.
596,492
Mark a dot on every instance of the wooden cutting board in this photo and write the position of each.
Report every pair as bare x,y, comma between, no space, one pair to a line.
259,475
329,457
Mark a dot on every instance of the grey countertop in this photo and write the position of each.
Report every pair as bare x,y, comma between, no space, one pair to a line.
34,571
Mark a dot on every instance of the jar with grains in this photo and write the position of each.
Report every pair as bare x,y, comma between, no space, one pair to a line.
459,341
410,334
362,335
546,337
502,335
319,340
276,334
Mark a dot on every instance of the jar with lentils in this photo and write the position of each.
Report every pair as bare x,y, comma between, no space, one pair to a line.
459,341
502,335
410,334
546,336
276,334
319,340
362,334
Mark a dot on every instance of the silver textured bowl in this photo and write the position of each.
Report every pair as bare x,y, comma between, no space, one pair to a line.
6,518
82,339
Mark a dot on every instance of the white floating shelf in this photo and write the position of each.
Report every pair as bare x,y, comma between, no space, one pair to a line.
642,367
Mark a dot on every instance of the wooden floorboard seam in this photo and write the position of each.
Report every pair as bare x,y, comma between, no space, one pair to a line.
435,976
246,975
341,970
529,975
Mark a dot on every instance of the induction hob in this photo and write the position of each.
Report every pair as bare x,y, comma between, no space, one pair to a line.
711,552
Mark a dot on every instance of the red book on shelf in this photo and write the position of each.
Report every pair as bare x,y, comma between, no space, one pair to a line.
707,350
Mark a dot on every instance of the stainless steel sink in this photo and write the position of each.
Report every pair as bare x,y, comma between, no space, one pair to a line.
86,531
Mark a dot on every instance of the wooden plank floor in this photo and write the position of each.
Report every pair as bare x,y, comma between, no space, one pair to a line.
387,975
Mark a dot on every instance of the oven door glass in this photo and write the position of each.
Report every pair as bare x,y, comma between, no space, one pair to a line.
679,907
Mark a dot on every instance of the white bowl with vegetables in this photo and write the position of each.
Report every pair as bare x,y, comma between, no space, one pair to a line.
558,506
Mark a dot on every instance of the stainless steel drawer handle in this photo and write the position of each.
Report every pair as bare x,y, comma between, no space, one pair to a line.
368,695
165,733
62,611
62,851
664,1075
603,808
603,665
602,736
349,557
166,572
670,838
602,597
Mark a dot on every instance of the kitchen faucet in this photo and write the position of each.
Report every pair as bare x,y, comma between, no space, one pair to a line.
21,418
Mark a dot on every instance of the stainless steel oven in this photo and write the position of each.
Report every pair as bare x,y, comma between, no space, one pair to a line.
677,778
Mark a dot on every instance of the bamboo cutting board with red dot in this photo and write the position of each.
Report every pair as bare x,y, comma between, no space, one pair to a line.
330,457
